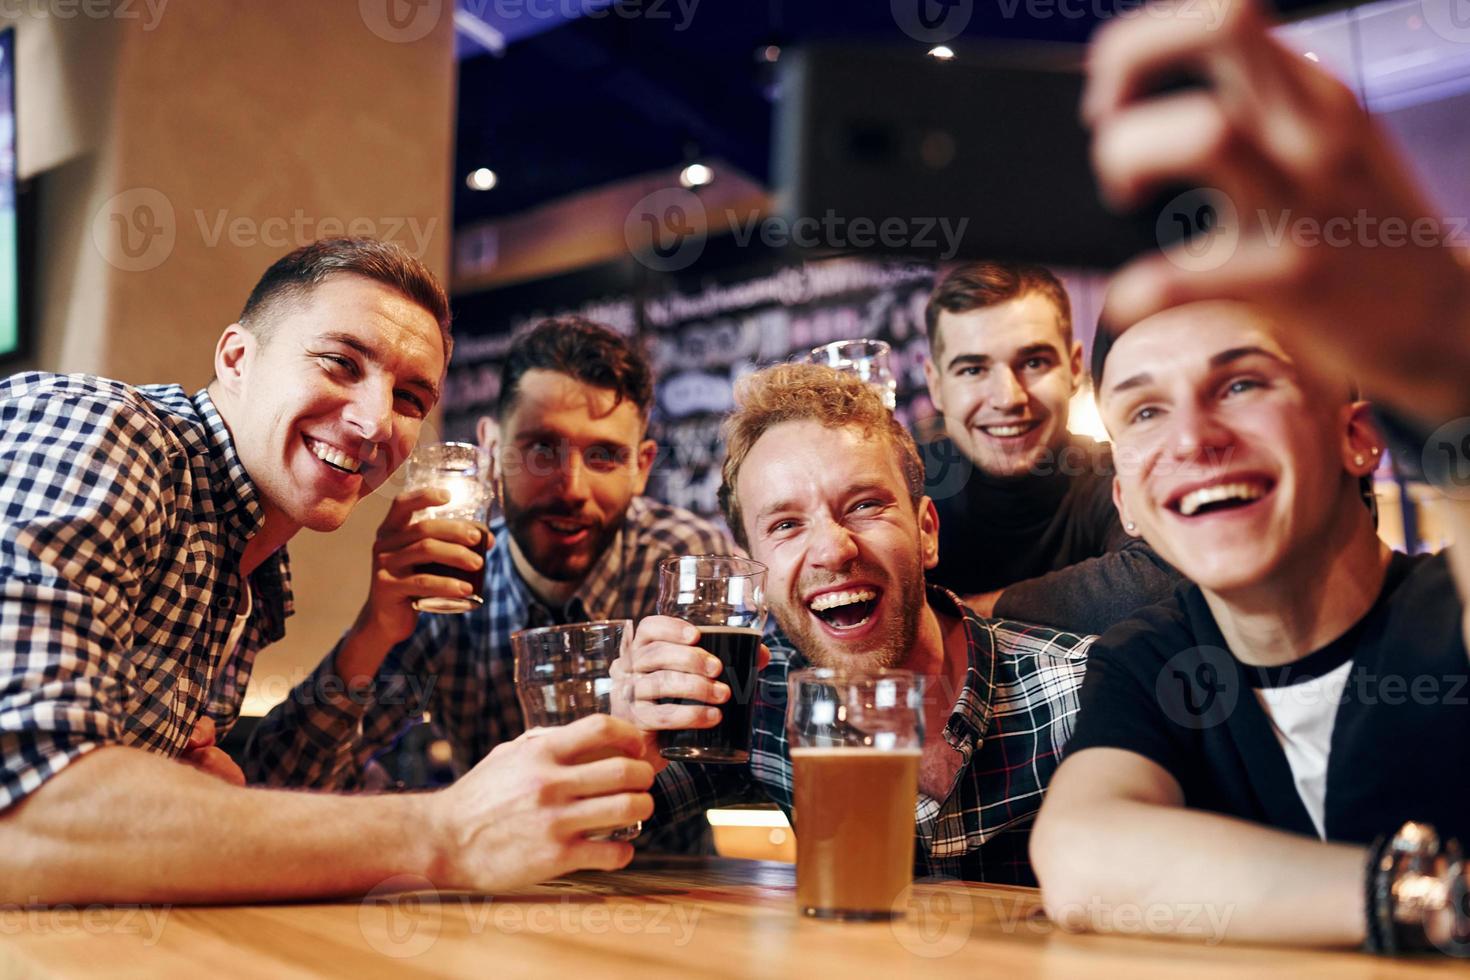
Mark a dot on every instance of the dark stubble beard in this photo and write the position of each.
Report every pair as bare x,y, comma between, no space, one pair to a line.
555,564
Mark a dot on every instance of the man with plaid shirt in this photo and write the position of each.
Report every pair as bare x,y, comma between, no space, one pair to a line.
142,566
577,543
826,489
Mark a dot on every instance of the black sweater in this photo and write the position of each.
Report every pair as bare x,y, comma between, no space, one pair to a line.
1052,540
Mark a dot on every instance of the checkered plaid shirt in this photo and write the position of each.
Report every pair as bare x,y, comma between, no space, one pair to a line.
124,513
459,668
1010,723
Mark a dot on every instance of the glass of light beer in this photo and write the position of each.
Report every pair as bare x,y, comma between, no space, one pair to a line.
463,471
855,739
562,674
725,597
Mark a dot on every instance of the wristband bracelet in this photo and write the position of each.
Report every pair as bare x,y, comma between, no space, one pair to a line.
1409,879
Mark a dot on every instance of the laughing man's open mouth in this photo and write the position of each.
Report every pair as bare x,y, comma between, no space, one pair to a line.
846,609
1221,496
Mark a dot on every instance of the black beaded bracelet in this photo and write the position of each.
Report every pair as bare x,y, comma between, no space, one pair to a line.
1372,940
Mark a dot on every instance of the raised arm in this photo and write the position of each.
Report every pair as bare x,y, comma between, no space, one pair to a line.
1092,595
1115,851
1385,297
1380,291
350,707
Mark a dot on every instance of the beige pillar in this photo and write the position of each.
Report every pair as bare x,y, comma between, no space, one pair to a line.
182,146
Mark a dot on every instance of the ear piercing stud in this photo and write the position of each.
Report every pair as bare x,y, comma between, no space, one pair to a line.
1130,526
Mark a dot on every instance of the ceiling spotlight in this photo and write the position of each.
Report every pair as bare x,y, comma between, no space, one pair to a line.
696,175
482,179
941,52
770,54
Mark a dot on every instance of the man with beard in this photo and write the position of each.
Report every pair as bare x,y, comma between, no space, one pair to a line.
582,544
143,564
826,489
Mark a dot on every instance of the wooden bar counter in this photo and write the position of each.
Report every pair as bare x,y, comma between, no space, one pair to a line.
678,918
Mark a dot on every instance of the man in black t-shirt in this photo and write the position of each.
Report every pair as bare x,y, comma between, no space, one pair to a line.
1026,519
1312,686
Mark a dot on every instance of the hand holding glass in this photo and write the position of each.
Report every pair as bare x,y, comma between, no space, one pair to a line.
463,471
725,597
562,674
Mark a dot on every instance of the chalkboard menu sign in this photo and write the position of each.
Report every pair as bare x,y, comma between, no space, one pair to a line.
702,332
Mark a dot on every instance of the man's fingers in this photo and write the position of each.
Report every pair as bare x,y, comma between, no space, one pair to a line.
586,855
762,657
1155,282
601,813
401,511
214,762
571,742
1179,139
1129,57
616,775
665,629
654,717
421,585
672,656
431,551
677,684
203,734
465,533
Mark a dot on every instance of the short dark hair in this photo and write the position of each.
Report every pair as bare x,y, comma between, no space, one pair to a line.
292,277
589,352
980,284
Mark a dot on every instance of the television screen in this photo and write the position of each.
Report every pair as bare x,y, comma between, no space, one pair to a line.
9,247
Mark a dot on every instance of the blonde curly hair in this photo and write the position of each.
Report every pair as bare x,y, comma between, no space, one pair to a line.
807,393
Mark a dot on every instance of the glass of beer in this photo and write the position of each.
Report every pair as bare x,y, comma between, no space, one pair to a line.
563,673
869,360
725,597
463,471
855,743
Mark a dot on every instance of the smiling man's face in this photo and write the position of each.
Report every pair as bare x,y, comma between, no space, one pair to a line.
828,512
1233,462
1003,377
572,459
333,398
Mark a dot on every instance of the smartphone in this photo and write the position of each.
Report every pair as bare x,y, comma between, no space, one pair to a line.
980,156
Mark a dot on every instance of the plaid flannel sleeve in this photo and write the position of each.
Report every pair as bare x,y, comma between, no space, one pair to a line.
82,517
323,735
683,791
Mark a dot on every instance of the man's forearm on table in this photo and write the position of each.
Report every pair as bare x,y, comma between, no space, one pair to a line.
121,825
1127,866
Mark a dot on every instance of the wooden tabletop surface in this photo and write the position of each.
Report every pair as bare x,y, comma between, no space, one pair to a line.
681,918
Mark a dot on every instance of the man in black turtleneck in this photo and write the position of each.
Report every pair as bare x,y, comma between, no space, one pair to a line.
1027,526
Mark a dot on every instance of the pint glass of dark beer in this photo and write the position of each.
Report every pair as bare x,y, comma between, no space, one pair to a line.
463,471
856,739
725,597
563,673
